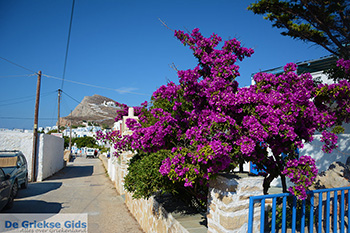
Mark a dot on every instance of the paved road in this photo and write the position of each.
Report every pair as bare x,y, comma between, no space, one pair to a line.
81,187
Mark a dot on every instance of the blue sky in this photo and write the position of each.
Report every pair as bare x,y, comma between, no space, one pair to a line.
120,49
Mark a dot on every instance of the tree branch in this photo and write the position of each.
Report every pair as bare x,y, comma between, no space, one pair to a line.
173,66
321,24
165,25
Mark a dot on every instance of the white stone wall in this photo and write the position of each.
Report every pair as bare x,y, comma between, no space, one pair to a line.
50,151
152,217
228,203
18,141
111,168
324,77
324,160
118,168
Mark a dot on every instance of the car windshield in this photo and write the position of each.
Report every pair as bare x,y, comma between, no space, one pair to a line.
8,161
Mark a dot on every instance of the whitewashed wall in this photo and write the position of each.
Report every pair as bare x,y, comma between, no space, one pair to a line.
18,141
324,160
50,151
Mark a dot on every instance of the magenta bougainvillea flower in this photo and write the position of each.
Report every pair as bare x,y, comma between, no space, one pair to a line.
210,123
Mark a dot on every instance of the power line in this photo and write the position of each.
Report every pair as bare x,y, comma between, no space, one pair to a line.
71,97
19,102
17,76
25,97
80,83
66,106
24,101
13,63
90,85
68,40
54,111
25,118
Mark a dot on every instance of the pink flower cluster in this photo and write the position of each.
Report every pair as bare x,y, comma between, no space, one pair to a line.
334,100
344,64
302,172
209,123
110,137
330,140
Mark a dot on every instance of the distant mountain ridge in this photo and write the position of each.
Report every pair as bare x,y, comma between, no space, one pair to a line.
97,109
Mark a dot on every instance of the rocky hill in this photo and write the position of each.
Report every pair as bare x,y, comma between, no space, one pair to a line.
97,109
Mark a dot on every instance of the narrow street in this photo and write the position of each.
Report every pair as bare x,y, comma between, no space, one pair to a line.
81,187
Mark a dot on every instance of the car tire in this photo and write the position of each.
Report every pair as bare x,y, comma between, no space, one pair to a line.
25,184
9,204
14,191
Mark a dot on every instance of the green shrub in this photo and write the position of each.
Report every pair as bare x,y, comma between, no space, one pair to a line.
85,142
144,178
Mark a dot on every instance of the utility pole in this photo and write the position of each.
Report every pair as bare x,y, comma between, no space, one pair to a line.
35,130
58,112
70,136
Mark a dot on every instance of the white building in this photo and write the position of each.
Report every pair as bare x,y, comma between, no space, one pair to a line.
89,131
109,104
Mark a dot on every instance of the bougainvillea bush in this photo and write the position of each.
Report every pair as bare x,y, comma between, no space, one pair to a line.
208,124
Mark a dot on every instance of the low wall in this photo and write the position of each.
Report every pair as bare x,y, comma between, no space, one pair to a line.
148,213
19,141
50,151
117,170
151,216
228,203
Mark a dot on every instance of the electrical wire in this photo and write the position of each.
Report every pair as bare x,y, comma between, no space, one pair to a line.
25,97
71,97
54,113
17,76
24,101
66,107
13,63
68,40
30,96
80,83
19,102
24,118
95,86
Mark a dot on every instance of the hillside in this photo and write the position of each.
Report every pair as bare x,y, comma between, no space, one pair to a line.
97,109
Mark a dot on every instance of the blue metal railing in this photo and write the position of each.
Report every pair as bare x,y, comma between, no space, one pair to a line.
323,216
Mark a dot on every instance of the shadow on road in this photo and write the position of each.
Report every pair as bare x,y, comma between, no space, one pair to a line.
73,172
35,189
33,206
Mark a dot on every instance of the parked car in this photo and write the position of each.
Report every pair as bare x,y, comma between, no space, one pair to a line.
6,191
14,164
90,152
